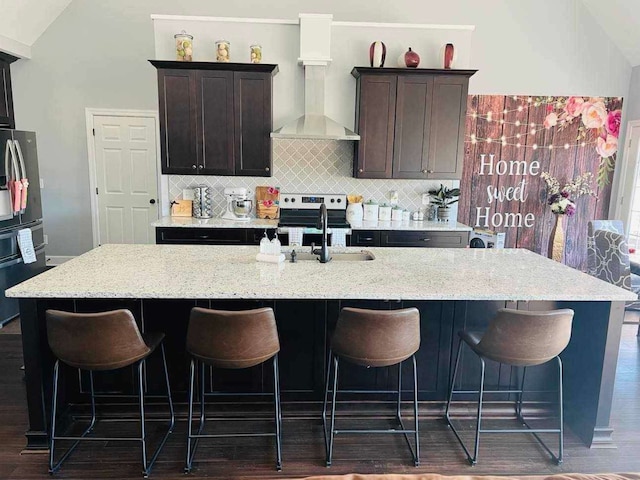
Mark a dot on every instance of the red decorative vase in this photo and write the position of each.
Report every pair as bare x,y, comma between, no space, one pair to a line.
377,54
411,59
449,53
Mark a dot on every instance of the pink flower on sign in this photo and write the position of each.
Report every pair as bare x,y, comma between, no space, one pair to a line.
272,191
607,147
594,115
267,203
551,120
574,106
613,122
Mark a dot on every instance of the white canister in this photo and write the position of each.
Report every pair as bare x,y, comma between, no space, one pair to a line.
384,214
396,214
354,213
371,211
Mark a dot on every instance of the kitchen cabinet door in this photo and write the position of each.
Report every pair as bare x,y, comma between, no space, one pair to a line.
215,122
6,96
446,148
253,123
375,120
412,127
178,132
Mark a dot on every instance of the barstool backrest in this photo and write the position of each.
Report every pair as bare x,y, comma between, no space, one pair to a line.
523,338
95,341
230,339
377,338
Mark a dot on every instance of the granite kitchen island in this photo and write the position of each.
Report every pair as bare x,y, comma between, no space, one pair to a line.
452,288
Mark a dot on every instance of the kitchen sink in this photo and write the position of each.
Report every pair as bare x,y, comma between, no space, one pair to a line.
362,256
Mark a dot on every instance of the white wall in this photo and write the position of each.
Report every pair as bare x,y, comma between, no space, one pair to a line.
94,55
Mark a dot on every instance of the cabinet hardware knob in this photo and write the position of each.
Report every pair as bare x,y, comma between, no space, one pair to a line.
430,171
360,170
367,239
426,239
266,169
200,167
193,167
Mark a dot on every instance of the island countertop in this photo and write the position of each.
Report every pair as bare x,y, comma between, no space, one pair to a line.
231,272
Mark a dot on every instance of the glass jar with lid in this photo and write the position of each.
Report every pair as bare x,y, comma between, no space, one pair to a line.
184,46
223,51
255,54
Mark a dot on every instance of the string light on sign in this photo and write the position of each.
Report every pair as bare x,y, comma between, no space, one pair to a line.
505,142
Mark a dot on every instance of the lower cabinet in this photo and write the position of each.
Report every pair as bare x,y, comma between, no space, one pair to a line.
405,238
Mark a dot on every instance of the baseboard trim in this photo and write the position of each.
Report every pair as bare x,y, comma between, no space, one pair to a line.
55,260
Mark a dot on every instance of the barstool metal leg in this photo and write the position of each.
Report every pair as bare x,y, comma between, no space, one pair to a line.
474,460
54,408
143,433
520,394
278,415
416,460
333,409
559,458
453,382
324,404
189,460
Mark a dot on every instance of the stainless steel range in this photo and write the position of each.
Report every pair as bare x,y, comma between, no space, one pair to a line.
302,210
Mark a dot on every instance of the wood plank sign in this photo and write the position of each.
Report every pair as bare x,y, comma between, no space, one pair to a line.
511,140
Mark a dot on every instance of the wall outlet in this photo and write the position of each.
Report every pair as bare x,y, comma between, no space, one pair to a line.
46,239
425,199
188,194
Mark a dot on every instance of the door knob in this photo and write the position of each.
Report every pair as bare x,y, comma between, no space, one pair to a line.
152,201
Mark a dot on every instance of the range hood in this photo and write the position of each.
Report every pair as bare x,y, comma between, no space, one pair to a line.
315,46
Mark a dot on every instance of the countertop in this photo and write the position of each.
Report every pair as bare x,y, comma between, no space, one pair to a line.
190,222
231,272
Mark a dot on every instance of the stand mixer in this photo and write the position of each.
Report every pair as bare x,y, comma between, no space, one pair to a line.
239,205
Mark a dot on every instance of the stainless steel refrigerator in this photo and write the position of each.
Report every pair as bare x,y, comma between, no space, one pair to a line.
18,163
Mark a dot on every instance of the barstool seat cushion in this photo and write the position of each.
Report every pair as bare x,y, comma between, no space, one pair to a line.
522,338
228,339
376,338
98,341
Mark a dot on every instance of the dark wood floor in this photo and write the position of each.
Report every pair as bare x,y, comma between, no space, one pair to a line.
303,450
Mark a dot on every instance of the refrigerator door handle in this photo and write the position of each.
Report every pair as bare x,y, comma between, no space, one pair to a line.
15,184
7,167
23,177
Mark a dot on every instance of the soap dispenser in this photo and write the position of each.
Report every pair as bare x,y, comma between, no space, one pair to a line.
276,246
265,244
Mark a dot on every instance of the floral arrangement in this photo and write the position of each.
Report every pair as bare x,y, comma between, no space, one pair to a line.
600,124
562,199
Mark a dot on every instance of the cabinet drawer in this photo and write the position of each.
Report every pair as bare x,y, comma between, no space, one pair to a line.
365,238
425,239
201,236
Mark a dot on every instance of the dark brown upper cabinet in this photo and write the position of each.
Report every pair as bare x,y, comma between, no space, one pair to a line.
215,118
411,122
6,95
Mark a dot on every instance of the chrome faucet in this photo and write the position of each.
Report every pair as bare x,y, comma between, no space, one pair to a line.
323,251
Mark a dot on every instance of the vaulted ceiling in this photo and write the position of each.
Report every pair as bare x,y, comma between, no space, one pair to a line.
23,21
621,20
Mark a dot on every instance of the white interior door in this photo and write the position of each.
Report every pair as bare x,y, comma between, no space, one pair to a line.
126,178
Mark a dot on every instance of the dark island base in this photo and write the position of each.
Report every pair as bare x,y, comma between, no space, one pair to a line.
305,326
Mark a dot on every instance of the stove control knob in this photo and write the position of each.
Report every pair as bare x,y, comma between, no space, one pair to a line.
293,200
333,200
286,199
339,200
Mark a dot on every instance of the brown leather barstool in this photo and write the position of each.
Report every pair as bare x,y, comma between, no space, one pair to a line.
101,342
521,339
374,338
233,340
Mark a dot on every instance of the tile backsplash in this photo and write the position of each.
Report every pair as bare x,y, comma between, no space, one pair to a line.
313,166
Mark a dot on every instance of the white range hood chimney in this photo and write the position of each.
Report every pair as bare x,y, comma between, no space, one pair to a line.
315,51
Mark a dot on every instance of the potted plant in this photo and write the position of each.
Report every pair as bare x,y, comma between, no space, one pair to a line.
443,198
